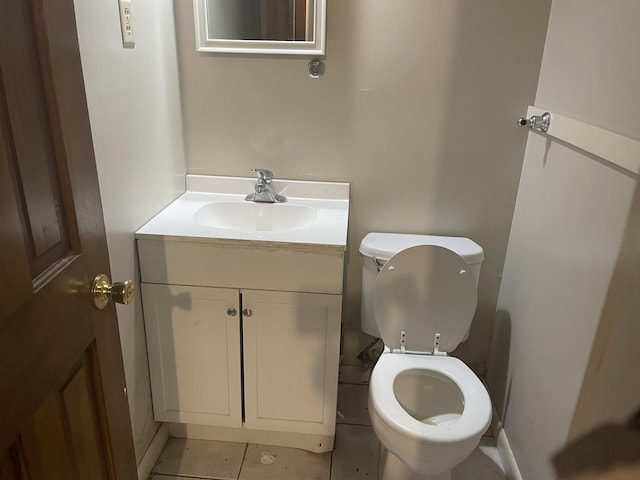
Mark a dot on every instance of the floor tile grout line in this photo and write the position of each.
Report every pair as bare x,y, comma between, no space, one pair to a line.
354,424
244,457
331,462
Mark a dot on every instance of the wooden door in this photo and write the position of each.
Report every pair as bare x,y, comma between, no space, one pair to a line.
63,406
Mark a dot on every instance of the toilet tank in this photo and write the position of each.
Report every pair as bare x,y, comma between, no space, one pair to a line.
377,248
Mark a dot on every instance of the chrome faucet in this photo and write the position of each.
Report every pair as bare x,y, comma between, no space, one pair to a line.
264,191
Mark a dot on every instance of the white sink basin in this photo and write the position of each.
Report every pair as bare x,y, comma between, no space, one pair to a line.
251,216
214,210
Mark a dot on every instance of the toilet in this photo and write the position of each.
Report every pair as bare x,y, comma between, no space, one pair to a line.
419,295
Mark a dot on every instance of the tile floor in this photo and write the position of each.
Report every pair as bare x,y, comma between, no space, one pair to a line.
352,459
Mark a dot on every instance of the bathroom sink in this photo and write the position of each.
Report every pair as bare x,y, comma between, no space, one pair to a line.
250,216
214,210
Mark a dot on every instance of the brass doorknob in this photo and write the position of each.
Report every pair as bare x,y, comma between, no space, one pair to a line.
103,290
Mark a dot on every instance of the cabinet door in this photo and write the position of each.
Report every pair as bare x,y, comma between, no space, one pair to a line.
194,353
291,354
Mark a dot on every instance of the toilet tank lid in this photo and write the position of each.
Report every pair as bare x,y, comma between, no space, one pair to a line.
383,246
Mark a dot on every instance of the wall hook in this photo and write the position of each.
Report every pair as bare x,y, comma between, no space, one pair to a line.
536,122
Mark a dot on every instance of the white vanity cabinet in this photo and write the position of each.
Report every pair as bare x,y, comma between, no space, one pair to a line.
243,364
242,306
289,346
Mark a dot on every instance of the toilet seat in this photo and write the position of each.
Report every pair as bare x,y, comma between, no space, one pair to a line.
409,297
476,414
416,448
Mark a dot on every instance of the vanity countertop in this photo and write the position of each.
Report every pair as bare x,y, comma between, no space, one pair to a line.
326,225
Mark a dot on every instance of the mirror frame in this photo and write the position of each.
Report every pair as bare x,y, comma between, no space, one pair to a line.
216,45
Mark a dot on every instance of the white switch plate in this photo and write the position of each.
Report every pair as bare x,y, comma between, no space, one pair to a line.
126,24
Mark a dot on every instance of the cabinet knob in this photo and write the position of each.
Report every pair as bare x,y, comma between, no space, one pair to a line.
232,312
247,312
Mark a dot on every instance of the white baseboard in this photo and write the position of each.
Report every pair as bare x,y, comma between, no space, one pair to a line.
152,454
511,470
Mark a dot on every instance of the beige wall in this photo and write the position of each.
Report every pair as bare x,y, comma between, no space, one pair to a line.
568,226
134,109
416,109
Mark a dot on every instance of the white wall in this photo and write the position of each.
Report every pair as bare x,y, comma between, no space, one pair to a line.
134,108
568,225
416,109
609,393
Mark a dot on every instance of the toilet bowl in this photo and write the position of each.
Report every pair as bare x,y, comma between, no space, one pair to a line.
428,409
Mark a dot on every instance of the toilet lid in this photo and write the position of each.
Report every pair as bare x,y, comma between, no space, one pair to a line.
424,290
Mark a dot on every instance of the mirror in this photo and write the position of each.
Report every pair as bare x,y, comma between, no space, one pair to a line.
282,27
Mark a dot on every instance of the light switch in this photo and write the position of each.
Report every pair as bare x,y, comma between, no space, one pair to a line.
126,24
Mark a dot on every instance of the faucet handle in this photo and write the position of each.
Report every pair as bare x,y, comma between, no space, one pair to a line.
264,176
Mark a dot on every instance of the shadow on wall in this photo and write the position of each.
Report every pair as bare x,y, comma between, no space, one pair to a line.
140,402
455,148
481,149
498,368
608,452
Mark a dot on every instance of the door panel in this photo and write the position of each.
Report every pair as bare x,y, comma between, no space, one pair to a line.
79,405
44,441
39,190
9,466
15,288
61,439
63,406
